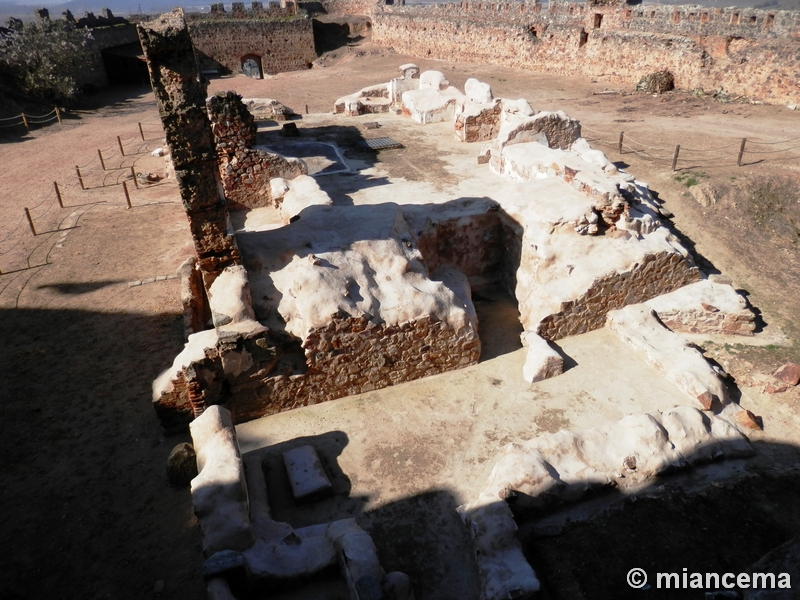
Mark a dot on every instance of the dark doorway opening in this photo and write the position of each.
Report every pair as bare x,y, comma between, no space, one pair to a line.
251,66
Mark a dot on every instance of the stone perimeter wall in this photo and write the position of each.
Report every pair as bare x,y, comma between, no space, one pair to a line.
343,7
748,52
283,45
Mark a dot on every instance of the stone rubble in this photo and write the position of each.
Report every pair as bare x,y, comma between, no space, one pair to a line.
541,361
181,465
434,101
788,373
267,108
372,99
292,196
307,478
382,97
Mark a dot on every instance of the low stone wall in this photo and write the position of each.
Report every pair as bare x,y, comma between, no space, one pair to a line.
681,363
537,475
657,274
219,492
348,356
245,172
280,45
352,356
705,307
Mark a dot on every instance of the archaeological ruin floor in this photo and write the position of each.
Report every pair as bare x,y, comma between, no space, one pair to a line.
90,508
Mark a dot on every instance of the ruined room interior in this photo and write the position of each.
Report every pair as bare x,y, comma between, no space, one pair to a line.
314,287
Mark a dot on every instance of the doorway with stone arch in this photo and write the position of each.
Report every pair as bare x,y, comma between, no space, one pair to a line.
251,66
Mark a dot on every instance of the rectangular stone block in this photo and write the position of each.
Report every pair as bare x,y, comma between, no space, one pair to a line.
306,475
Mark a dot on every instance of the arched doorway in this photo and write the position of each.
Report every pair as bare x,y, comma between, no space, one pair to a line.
251,66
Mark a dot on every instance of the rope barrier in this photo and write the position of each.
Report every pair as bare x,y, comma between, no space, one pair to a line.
47,237
41,122
711,149
87,164
14,246
749,141
642,152
47,211
42,202
52,112
771,151
629,138
624,139
11,232
590,129
10,281
602,141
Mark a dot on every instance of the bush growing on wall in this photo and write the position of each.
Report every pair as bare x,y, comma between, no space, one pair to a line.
44,57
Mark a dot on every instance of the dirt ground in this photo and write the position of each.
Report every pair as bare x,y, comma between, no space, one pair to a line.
88,509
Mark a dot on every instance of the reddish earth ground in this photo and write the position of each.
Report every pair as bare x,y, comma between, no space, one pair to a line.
89,512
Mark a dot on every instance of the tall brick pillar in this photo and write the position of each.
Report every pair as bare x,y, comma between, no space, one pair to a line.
181,98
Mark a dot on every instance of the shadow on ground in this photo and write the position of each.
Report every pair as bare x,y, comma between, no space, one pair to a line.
87,503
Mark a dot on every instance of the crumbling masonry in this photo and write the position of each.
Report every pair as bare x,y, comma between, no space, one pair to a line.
181,99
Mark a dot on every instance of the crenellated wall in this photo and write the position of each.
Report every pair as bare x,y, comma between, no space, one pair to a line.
343,7
687,19
750,52
280,42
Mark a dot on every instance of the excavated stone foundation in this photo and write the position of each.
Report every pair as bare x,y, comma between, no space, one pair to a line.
312,301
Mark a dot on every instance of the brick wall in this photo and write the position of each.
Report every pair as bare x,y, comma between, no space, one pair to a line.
348,356
245,171
352,356
657,274
285,44
180,97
